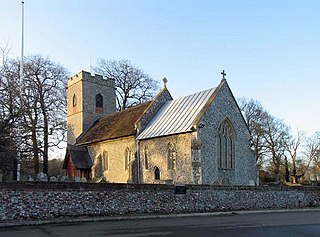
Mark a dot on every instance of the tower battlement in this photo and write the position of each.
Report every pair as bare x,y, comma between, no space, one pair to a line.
87,76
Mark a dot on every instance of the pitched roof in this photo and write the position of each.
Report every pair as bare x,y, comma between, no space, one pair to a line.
177,116
116,125
80,157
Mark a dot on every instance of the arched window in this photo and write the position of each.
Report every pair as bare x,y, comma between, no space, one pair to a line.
105,160
171,157
127,158
99,103
74,101
226,145
156,173
146,158
98,168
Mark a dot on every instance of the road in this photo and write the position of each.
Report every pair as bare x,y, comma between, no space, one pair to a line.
284,224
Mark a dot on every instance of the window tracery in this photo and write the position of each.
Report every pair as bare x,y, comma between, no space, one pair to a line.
226,145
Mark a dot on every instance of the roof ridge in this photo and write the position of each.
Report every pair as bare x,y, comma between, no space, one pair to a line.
126,109
213,88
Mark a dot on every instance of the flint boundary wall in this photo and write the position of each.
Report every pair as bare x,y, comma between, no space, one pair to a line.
22,201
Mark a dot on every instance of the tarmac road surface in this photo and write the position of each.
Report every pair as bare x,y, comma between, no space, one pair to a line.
269,224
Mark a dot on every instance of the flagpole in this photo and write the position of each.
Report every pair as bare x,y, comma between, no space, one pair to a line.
21,89
22,42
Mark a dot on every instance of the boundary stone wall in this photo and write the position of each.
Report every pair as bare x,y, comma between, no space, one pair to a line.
22,201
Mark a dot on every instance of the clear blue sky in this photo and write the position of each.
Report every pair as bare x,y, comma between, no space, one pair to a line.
269,49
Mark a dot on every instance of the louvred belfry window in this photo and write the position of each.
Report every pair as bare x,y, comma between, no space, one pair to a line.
74,103
99,103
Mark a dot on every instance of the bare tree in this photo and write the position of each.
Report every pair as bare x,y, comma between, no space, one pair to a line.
269,136
133,86
312,150
45,103
9,112
275,134
255,115
292,146
44,106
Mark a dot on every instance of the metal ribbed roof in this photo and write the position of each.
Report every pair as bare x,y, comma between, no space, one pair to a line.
176,116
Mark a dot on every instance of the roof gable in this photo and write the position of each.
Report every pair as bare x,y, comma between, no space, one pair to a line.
213,96
79,156
209,102
162,97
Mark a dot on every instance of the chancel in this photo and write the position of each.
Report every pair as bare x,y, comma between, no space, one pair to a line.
200,138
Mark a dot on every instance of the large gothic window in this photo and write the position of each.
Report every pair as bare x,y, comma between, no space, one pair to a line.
226,145
171,157
127,158
99,103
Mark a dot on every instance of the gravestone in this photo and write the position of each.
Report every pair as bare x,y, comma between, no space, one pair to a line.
215,183
42,177
225,182
53,179
69,179
63,178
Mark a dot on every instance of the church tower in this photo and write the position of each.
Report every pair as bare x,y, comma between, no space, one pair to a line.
88,97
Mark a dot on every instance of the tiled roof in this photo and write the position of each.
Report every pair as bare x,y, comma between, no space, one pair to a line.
177,116
80,157
116,125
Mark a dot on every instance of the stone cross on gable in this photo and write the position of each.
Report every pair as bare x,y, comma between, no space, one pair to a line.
223,74
165,81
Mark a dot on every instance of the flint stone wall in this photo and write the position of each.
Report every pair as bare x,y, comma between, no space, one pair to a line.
45,201
224,107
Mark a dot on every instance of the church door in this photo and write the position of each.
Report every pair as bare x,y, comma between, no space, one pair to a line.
156,173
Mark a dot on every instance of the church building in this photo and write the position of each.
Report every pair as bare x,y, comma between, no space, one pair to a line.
197,139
